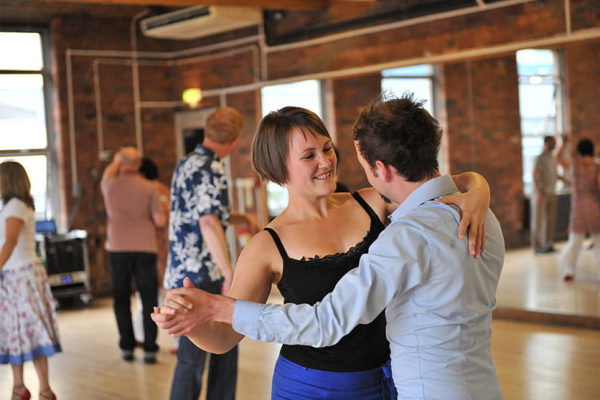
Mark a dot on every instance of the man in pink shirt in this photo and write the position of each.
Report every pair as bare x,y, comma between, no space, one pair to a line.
134,210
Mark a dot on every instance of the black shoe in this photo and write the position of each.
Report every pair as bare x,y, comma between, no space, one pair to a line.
127,355
150,357
543,250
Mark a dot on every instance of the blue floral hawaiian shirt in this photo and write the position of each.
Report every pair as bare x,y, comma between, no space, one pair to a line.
199,187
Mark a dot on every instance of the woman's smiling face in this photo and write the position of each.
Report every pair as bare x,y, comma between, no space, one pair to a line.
311,163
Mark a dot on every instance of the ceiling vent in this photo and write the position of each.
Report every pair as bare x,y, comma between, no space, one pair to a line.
200,21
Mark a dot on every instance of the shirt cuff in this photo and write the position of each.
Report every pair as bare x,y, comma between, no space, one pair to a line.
246,317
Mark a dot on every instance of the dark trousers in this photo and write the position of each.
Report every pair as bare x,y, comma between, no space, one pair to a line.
142,267
191,361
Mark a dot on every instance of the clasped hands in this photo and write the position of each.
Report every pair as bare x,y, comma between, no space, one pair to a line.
186,309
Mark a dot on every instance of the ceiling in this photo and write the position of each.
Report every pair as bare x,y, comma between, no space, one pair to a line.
40,12
285,21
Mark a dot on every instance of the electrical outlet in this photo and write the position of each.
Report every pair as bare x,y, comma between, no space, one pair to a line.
105,155
77,190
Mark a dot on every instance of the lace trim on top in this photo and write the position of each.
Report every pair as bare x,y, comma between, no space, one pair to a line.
333,259
338,259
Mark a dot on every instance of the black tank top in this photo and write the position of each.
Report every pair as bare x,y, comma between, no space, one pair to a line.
307,281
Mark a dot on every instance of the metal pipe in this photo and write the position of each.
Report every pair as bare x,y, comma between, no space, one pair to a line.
568,16
71,107
136,82
98,100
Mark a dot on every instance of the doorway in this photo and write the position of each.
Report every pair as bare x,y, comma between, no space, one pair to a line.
189,129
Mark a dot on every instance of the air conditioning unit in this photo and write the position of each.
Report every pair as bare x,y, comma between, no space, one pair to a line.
200,21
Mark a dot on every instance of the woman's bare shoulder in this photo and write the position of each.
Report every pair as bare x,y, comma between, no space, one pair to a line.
341,197
262,241
374,200
259,263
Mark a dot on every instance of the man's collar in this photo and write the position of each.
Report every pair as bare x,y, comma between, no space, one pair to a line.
434,188
205,151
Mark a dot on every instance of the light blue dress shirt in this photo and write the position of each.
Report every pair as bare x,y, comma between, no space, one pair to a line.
438,301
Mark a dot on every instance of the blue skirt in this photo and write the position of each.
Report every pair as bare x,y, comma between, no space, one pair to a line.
294,382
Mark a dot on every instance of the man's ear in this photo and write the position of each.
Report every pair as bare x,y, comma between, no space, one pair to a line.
384,170
234,143
228,147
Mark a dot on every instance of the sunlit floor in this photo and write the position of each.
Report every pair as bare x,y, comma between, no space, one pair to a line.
532,282
534,361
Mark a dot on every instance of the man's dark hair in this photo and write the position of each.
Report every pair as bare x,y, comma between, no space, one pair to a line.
400,133
585,147
149,169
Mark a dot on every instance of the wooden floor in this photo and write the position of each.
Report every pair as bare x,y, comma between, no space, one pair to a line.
534,361
533,282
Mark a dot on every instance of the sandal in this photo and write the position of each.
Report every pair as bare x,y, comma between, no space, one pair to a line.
20,392
47,394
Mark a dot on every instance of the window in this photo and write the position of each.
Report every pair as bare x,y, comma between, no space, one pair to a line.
306,94
23,116
417,79
540,104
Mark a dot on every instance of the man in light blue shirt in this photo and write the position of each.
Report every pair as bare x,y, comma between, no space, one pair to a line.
438,299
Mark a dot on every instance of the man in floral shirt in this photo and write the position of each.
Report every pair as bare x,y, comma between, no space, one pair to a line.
198,248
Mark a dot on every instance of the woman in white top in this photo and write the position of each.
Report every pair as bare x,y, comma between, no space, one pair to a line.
28,328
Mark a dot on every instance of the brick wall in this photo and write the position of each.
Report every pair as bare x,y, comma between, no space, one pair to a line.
482,133
352,95
478,84
582,70
98,68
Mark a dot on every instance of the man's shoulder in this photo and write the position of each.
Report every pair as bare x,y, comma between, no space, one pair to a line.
546,157
108,183
138,180
194,161
423,221
130,182
435,222
432,213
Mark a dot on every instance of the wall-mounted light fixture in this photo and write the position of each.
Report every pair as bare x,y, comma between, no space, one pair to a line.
192,96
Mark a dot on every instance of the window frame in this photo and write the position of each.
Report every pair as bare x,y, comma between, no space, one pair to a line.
272,188
557,78
53,209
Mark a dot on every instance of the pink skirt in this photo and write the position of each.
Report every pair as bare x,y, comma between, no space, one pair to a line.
28,327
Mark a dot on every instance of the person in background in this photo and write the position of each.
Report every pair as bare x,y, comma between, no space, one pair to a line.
134,211
305,250
200,213
28,326
543,200
149,170
585,204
